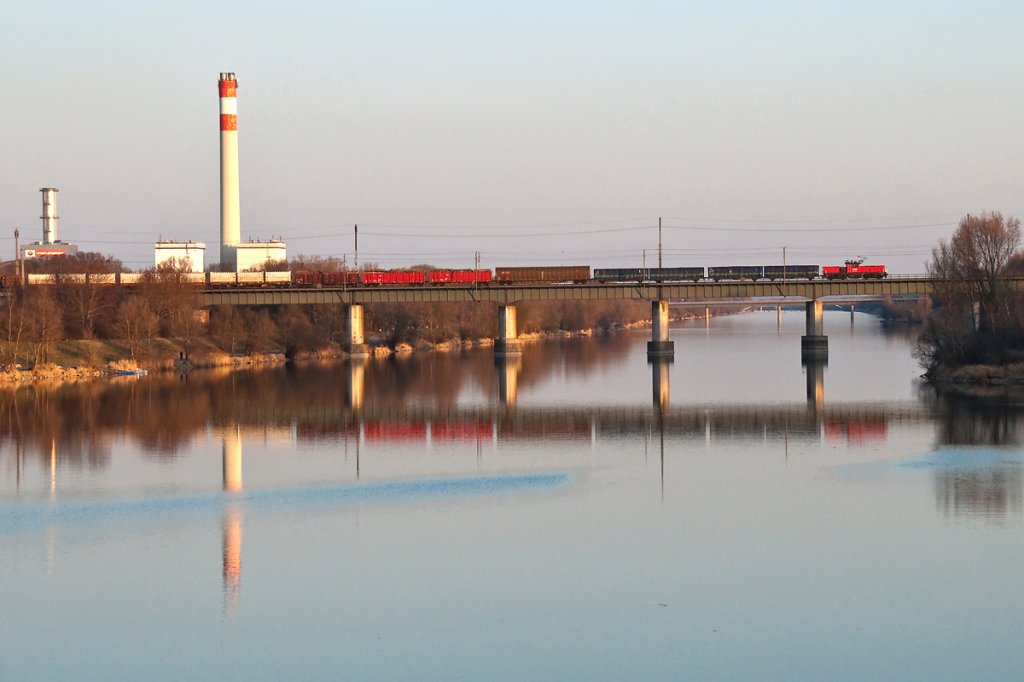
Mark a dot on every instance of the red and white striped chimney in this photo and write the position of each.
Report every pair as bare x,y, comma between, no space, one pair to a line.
230,222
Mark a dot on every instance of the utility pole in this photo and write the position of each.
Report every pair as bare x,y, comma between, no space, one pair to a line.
783,264
17,256
643,258
356,232
659,243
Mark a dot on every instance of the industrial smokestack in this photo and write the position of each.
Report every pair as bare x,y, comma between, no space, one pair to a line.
230,224
49,215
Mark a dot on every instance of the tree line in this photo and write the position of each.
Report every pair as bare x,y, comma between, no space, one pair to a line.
34,319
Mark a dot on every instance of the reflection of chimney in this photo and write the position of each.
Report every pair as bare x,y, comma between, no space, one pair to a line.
232,559
49,215
230,222
232,460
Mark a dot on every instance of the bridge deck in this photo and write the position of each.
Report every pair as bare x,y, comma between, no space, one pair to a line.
506,295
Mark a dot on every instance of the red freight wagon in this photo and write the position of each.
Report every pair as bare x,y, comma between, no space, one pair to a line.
304,278
460,276
340,279
393,277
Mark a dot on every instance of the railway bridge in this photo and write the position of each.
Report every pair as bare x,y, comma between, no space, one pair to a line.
813,293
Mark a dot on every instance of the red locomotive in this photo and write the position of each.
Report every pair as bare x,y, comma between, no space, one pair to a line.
853,269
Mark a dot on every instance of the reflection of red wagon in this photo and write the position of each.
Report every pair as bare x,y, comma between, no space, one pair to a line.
857,431
854,269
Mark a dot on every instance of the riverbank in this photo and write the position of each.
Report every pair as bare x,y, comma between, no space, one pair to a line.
74,361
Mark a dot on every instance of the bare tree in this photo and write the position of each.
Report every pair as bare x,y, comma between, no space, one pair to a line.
138,324
978,316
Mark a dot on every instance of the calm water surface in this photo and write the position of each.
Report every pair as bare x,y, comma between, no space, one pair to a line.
578,514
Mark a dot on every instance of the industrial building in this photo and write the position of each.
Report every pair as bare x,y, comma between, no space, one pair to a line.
49,246
189,256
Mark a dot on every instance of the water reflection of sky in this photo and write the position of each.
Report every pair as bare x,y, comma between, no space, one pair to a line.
260,525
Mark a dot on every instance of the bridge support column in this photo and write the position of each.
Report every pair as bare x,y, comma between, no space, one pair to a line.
659,345
508,378
660,381
354,342
814,344
508,342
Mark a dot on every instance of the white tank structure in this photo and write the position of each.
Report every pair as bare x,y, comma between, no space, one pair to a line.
49,215
230,221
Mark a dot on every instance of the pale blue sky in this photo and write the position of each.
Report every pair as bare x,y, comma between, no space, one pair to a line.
547,132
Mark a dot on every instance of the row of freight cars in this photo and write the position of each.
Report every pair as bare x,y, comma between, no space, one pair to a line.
852,269
558,274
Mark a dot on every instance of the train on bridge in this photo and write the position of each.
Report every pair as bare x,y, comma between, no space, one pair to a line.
500,276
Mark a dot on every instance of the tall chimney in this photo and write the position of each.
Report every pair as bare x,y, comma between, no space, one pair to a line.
49,214
230,225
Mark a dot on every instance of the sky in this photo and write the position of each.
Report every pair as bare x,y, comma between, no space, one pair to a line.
531,132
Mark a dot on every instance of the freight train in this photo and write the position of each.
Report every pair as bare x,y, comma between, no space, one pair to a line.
501,276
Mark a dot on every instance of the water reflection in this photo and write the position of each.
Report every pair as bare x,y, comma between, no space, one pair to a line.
508,369
991,492
977,484
231,523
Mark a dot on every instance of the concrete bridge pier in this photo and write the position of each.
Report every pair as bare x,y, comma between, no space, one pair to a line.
354,342
508,378
508,342
660,381
659,345
814,344
355,382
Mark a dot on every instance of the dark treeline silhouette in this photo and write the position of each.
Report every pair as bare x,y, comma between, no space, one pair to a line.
979,318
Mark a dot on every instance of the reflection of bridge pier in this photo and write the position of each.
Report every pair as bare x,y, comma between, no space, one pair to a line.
354,342
508,342
660,381
814,344
815,375
355,381
508,378
660,345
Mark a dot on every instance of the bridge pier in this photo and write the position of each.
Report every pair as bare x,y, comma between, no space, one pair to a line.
508,378
814,344
659,345
508,342
354,342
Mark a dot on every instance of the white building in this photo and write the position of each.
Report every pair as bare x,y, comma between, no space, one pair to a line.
188,255
254,255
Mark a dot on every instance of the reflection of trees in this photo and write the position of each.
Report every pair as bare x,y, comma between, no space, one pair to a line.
986,492
982,417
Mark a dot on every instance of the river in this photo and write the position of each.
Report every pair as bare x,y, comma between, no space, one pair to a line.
576,514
